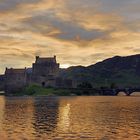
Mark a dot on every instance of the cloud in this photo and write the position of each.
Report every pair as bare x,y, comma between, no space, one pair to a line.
79,32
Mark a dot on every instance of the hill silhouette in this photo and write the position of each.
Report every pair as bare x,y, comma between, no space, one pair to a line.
118,71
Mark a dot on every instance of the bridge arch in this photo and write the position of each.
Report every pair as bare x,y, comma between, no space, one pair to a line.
125,91
121,93
135,93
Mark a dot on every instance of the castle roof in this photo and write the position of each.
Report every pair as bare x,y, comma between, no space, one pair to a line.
45,59
15,71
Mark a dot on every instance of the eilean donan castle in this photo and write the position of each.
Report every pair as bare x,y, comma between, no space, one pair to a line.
44,72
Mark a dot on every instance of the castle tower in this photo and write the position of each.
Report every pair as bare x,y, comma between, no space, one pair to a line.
45,70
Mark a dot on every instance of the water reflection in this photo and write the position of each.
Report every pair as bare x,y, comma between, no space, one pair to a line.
45,115
100,118
2,106
64,115
70,118
18,114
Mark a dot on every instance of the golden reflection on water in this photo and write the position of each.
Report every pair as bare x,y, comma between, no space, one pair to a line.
64,118
70,118
18,118
2,106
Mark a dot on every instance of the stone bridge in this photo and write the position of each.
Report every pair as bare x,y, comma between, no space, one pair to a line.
104,91
127,91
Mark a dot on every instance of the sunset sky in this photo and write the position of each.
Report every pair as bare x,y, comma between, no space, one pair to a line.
78,32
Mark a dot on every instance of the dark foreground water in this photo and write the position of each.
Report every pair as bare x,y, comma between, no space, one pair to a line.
70,118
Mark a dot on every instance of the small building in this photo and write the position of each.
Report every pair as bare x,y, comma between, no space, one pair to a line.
15,80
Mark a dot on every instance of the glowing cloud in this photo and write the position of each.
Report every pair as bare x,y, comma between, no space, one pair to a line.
79,32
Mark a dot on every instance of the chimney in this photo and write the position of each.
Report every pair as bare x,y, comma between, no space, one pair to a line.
55,58
37,57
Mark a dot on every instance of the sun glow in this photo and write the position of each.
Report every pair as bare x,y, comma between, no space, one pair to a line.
64,66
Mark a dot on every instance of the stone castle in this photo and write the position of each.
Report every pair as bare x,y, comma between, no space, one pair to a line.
44,72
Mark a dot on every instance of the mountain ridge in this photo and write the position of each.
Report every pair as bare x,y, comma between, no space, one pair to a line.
123,71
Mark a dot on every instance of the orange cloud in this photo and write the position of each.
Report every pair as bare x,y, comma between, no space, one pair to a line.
78,32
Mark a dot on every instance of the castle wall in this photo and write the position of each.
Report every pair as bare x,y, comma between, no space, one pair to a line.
63,83
45,69
2,79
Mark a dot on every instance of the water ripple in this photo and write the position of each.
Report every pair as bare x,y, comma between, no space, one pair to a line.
70,118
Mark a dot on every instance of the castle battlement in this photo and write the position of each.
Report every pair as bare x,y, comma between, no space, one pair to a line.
45,60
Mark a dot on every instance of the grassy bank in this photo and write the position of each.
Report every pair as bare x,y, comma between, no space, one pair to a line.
35,90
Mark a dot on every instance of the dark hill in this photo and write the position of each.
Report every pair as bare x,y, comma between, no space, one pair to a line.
121,71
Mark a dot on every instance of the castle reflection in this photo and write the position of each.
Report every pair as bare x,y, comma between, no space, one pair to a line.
17,117
22,118
45,115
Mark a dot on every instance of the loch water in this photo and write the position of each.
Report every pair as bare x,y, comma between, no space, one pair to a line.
70,118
